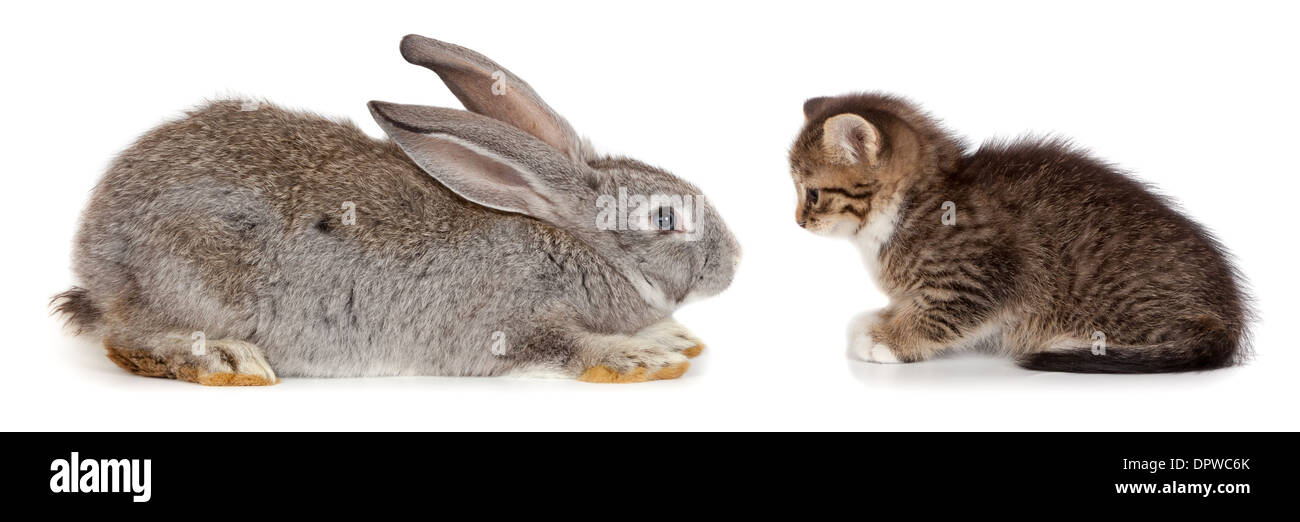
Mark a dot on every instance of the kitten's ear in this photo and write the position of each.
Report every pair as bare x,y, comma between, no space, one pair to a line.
813,105
849,139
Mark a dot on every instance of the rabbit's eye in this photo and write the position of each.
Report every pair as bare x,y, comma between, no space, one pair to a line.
812,196
664,219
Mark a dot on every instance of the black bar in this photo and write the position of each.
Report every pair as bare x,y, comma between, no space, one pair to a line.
515,471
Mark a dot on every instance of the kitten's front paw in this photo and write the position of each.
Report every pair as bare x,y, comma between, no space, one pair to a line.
863,346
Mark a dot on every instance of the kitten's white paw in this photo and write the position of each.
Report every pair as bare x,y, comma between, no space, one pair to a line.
867,349
882,353
862,346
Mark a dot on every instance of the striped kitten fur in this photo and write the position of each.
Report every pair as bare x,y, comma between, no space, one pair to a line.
1033,246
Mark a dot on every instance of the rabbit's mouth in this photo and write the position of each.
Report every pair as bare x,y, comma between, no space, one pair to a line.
712,278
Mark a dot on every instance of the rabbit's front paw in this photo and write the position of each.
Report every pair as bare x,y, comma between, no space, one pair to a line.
640,359
671,333
863,345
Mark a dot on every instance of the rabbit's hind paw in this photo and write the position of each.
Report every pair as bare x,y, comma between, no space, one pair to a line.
221,362
241,364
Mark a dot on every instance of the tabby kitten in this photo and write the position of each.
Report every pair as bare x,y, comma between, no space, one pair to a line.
1034,246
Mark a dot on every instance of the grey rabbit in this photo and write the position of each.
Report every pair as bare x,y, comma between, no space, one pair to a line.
244,242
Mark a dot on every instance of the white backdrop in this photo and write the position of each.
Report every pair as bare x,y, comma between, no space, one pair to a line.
1198,99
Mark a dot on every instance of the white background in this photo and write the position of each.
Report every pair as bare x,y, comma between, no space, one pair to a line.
1199,100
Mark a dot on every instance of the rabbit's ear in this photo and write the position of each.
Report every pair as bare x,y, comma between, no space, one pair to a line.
489,89
486,161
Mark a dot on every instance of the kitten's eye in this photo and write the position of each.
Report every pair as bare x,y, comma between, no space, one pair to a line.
664,219
812,196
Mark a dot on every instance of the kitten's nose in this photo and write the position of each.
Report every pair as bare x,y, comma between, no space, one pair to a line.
803,223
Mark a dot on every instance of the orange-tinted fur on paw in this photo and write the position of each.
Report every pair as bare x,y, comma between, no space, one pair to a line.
233,379
603,374
142,362
693,351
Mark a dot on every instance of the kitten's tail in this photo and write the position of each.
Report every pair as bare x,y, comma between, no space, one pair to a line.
1209,346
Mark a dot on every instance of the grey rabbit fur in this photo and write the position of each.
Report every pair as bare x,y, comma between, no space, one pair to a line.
218,248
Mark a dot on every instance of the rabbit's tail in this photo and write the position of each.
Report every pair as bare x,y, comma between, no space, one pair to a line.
78,311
